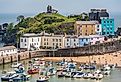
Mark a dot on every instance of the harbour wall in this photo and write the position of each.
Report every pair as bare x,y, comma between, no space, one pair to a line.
98,49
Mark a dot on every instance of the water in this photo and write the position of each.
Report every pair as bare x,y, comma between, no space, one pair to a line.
114,77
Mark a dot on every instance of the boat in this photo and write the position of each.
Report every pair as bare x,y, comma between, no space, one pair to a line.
60,74
9,76
51,71
20,69
79,75
107,70
33,71
87,75
68,75
16,65
22,77
97,75
43,79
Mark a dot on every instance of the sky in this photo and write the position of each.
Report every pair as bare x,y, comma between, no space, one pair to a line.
63,6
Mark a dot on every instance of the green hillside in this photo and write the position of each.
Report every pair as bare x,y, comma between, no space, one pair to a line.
49,22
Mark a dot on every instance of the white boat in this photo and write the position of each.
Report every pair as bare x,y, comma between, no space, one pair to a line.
16,65
87,75
97,75
43,79
107,70
79,75
9,76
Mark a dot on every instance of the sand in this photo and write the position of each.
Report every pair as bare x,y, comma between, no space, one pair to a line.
112,58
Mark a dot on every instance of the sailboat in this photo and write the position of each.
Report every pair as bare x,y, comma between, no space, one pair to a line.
17,64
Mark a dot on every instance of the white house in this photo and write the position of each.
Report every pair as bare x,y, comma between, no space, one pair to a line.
30,41
95,39
71,41
8,50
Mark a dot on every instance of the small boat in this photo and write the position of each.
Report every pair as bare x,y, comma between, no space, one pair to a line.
87,75
107,70
97,75
68,75
43,79
33,71
16,65
60,74
79,75
22,77
9,76
20,69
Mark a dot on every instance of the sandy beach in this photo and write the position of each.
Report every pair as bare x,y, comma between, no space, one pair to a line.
110,58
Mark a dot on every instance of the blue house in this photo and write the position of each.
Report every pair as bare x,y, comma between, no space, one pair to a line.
84,40
107,26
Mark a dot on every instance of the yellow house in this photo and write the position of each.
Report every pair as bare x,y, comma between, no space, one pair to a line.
85,27
52,41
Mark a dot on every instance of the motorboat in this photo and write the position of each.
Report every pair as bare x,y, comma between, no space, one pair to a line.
22,77
33,71
9,76
97,75
16,65
43,79
21,69
60,74
87,75
79,75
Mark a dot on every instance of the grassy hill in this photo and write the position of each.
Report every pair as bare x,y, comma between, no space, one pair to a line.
49,22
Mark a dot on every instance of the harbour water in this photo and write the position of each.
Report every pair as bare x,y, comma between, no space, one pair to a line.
114,77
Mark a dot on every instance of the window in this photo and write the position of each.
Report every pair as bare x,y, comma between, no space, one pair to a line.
104,22
32,39
107,21
60,44
21,40
107,32
25,44
34,43
53,40
37,43
53,44
67,39
38,39
74,40
60,40
25,40
56,40
98,29
85,33
110,28
82,39
86,39
91,38
44,43
86,30
47,43
110,21
67,43
44,39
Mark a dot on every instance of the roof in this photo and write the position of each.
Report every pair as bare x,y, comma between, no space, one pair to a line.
7,48
71,36
87,22
31,35
90,36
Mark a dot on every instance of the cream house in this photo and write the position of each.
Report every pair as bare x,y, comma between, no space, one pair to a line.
8,50
52,41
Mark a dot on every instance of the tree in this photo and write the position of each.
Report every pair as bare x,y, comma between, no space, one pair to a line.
20,18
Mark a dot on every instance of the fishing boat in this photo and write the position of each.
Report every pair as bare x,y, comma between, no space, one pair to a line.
43,79
9,76
22,77
33,71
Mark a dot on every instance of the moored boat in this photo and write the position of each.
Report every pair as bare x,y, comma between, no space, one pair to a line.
43,79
